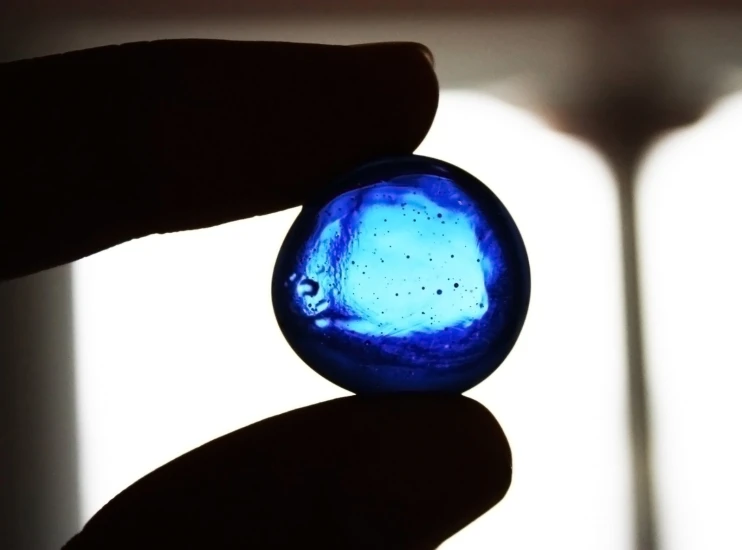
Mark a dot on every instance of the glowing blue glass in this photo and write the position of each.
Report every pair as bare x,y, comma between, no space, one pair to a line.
409,275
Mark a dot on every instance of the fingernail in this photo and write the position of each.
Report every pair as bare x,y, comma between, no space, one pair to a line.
424,50
428,54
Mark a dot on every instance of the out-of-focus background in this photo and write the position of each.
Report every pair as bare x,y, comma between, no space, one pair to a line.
611,130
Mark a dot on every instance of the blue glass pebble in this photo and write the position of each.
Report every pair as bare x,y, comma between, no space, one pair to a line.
408,275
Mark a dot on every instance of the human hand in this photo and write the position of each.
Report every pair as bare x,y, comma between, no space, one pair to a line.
116,143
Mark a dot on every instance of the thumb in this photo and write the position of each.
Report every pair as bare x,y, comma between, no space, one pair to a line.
383,472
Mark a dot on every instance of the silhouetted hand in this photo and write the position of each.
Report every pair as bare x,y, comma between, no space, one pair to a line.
116,143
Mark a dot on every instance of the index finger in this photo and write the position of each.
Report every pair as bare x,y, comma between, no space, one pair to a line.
115,143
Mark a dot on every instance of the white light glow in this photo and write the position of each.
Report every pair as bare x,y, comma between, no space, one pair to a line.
177,343
689,201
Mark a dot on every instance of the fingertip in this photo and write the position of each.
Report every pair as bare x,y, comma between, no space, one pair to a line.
416,78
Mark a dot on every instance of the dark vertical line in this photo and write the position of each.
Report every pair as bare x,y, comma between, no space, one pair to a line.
639,416
625,110
38,443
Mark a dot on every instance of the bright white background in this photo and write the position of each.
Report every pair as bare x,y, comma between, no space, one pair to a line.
690,227
177,344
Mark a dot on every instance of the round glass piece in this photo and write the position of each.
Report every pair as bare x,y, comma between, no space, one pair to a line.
408,275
